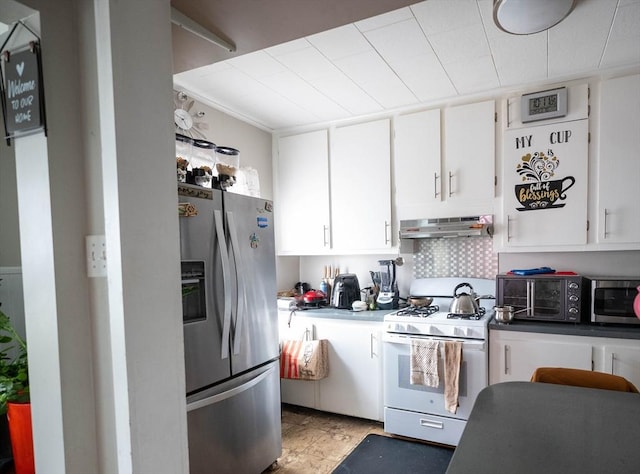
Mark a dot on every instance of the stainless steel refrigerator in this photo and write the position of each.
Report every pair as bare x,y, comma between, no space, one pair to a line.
230,331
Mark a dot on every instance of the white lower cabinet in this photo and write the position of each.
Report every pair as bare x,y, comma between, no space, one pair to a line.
620,359
515,355
303,393
354,384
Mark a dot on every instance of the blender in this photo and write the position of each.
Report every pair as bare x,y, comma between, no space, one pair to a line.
388,297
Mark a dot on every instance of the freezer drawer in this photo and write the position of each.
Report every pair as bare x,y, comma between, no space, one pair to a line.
437,429
237,430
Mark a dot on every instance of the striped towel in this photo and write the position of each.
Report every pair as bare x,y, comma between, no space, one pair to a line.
424,363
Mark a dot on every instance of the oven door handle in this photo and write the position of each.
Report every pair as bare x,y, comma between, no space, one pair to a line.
467,344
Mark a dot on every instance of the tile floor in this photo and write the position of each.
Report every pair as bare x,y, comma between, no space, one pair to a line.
315,442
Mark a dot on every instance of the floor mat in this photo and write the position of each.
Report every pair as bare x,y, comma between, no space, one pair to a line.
381,454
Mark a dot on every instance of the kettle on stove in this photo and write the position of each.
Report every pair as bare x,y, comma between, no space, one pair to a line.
346,290
464,303
467,303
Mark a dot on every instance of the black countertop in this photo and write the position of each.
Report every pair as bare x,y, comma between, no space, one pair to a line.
617,331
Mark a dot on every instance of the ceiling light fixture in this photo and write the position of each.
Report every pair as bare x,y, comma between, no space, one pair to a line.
183,21
525,17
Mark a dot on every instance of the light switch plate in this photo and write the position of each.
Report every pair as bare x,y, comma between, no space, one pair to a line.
96,256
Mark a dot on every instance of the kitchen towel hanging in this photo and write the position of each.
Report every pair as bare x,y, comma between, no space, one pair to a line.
452,363
304,359
424,363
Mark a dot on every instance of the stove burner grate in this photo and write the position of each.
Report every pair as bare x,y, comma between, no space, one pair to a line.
419,311
473,316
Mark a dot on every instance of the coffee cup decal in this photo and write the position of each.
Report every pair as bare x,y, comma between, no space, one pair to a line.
538,190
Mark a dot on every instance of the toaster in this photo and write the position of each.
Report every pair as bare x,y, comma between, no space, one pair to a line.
346,290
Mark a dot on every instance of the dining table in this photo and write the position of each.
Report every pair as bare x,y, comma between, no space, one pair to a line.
531,427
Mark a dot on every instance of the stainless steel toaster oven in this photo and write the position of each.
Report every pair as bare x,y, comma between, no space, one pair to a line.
545,297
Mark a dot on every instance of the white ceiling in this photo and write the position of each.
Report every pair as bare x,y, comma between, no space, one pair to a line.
428,53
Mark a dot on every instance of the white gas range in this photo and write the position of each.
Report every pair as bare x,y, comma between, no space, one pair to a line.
418,411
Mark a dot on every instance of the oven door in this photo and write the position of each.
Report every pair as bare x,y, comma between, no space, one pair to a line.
418,411
399,393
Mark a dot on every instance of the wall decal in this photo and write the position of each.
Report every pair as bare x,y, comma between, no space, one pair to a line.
538,191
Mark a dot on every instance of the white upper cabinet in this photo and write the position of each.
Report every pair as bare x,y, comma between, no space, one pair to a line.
360,171
545,185
618,163
302,194
445,168
469,157
417,169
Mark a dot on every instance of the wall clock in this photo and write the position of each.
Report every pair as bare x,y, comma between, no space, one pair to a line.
188,121
544,105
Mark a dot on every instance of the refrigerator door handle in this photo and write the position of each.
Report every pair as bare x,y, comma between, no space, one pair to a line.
222,245
230,393
241,305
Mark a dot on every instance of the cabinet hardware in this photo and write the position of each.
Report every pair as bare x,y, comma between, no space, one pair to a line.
606,215
371,337
508,228
386,232
435,185
450,178
613,358
506,359
325,229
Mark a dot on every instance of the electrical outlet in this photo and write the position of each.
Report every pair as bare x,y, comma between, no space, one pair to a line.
96,256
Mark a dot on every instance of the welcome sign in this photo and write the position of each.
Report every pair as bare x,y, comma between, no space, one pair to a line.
22,101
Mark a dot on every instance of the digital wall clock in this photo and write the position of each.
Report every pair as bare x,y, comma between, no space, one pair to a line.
544,105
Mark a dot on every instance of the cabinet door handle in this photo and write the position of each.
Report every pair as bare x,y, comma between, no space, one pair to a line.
435,185
325,231
386,232
606,215
371,337
506,359
450,178
508,228
613,358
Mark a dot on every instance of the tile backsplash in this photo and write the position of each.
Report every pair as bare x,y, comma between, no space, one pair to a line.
464,257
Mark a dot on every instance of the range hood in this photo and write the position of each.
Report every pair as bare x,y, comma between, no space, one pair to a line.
473,226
